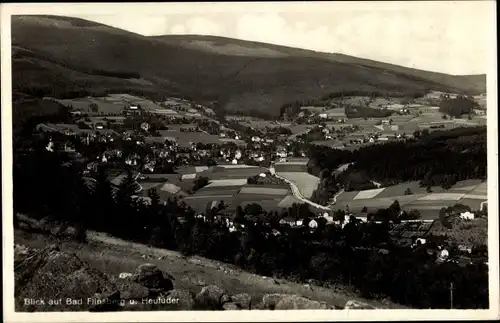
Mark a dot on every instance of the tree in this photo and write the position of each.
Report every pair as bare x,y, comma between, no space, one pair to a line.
443,218
395,208
253,209
200,182
364,209
408,191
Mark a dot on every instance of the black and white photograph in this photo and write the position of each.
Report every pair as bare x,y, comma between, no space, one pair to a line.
301,160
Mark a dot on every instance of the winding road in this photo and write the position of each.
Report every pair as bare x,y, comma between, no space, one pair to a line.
297,194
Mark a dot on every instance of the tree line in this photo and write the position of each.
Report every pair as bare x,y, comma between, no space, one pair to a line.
438,158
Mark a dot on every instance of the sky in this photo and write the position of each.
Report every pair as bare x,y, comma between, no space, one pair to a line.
449,37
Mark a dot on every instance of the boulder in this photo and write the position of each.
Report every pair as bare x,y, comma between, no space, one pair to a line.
125,275
296,302
152,277
231,307
358,305
269,301
129,289
212,298
243,300
52,274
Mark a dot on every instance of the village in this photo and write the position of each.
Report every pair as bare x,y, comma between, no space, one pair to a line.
182,151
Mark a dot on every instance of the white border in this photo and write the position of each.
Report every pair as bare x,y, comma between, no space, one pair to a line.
293,315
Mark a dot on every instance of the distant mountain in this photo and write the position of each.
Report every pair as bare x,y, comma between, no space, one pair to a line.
63,56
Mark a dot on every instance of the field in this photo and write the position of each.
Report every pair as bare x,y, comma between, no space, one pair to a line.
227,182
469,192
69,54
306,183
184,138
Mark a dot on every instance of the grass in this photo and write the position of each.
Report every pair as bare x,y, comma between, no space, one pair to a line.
368,194
67,55
264,190
227,182
468,192
114,256
306,183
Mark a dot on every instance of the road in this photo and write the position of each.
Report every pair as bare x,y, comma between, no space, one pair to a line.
297,194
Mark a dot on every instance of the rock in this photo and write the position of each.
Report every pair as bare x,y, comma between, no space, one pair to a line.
200,282
269,301
358,305
49,273
129,289
125,275
105,302
184,300
152,277
231,307
243,300
295,302
212,298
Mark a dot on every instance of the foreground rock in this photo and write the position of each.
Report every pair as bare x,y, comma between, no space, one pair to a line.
212,298
290,302
269,301
242,301
296,302
61,282
357,305
152,278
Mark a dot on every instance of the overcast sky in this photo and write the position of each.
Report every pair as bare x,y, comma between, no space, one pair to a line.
450,37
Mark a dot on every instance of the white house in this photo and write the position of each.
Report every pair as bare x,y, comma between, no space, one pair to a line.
262,175
234,162
420,241
50,146
323,115
256,139
467,216
237,155
313,224
145,126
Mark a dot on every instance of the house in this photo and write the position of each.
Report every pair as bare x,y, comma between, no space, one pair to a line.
291,221
467,216
386,122
99,125
255,139
465,249
313,224
145,126
383,138
323,115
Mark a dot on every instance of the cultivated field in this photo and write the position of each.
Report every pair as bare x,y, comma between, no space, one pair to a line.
469,192
305,182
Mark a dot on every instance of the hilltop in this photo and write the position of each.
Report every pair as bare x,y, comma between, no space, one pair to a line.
76,56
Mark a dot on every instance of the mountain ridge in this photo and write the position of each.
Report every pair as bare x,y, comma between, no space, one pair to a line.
79,55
